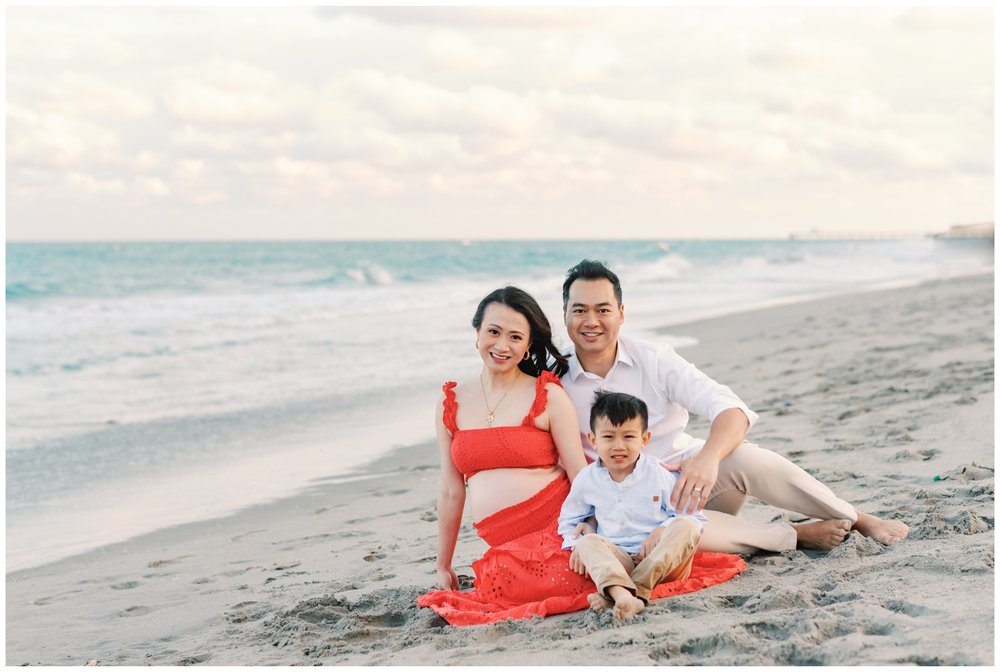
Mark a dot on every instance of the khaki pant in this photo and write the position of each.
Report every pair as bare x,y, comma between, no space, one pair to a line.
753,471
609,565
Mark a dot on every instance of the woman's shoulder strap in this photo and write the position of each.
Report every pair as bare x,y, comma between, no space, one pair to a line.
450,406
541,395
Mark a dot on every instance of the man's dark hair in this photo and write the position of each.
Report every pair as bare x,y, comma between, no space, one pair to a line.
618,408
588,269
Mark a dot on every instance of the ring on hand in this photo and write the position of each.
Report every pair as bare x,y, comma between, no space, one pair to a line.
696,489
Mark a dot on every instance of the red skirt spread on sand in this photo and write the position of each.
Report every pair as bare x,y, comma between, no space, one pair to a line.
526,573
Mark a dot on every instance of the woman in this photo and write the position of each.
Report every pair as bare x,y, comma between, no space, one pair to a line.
511,435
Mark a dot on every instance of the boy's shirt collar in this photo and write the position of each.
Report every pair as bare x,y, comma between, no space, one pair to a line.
603,470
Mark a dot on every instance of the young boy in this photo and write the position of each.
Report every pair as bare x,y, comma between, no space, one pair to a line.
641,540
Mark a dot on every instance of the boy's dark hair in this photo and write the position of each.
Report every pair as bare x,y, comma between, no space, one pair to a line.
618,408
588,269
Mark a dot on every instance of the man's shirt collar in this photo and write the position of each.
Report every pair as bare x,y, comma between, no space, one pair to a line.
621,357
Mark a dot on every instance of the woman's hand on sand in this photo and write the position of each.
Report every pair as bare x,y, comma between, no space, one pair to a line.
447,579
695,479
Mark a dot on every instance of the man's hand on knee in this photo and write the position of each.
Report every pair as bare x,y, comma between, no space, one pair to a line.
696,477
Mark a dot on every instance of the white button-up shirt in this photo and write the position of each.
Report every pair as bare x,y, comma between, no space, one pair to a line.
669,384
626,512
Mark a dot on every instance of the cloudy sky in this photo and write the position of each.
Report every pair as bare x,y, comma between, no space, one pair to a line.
518,122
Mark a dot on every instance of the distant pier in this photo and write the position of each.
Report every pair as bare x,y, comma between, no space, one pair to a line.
981,230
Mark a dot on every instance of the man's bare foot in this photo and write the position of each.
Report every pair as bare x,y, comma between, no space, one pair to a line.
598,602
627,605
823,535
879,529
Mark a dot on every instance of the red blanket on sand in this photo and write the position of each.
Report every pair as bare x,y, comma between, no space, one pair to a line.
526,573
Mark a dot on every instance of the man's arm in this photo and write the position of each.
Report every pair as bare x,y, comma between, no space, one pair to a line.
697,476
731,419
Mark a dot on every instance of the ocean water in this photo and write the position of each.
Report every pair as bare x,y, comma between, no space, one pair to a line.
151,384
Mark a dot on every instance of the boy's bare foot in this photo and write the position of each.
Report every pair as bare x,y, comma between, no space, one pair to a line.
823,535
598,602
879,529
627,605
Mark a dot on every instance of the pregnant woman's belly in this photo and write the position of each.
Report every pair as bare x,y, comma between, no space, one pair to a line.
496,489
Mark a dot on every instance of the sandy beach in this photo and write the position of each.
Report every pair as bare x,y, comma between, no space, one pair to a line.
887,397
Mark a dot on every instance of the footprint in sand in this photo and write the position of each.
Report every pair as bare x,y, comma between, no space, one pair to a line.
194,660
853,412
390,493
124,586
879,629
42,601
240,614
936,525
908,608
172,561
825,599
135,611
924,455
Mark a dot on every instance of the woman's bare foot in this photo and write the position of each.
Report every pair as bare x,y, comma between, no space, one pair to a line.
823,535
598,602
627,605
879,529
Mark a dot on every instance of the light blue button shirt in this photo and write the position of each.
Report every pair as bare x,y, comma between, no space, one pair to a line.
626,512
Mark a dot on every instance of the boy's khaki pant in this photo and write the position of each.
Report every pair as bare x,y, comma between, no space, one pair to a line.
756,472
608,565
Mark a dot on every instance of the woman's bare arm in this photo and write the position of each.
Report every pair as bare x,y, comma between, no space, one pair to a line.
450,504
565,430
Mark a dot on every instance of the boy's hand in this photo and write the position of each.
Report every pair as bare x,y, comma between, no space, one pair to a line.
582,530
447,579
576,564
651,541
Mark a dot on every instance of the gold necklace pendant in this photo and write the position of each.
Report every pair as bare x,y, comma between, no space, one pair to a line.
491,412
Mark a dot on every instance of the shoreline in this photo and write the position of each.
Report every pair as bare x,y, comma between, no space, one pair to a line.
329,574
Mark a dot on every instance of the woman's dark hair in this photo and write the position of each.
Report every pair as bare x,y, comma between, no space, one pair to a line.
588,269
542,348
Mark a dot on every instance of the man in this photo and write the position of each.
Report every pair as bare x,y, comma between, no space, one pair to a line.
715,474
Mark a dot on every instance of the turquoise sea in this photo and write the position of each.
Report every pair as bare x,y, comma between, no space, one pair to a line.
150,384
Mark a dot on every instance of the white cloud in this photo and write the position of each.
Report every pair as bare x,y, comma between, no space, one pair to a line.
82,94
954,20
413,105
476,17
227,92
56,141
153,186
580,60
89,185
454,51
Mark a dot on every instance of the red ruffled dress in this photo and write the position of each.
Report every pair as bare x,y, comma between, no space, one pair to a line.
525,572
